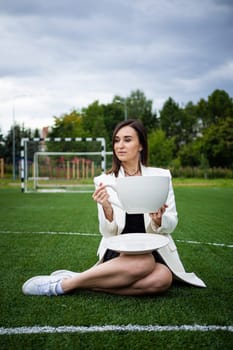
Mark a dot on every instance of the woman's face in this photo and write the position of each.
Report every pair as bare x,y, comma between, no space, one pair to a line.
127,146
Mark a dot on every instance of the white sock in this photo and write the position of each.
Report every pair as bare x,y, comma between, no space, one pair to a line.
59,289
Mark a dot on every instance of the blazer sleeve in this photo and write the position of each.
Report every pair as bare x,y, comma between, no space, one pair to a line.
107,228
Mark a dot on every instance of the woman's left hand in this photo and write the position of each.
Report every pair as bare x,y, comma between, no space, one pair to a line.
157,216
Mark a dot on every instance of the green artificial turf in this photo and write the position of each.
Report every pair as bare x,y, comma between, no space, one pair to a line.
41,233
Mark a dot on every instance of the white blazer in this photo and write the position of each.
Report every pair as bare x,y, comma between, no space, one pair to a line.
169,253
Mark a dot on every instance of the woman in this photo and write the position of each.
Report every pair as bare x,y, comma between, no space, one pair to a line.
116,273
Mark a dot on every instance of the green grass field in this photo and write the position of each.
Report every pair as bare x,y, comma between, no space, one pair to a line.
44,232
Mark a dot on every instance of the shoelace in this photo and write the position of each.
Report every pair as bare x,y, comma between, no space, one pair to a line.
48,288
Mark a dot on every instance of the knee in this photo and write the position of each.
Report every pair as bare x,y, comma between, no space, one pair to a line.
164,280
140,266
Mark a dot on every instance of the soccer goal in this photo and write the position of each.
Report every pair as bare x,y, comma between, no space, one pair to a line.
61,171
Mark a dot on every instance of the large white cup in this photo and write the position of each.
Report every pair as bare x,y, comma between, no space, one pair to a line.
140,194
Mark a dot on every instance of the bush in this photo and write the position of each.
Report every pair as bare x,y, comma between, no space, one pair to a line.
196,172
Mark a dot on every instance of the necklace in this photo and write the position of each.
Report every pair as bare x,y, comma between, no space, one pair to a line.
127,173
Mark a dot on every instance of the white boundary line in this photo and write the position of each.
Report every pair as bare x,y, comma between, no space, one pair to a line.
207,243
55,233
98,235
113,328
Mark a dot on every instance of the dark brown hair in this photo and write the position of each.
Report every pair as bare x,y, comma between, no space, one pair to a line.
142,135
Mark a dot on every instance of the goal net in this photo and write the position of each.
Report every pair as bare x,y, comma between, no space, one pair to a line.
59,171
65,171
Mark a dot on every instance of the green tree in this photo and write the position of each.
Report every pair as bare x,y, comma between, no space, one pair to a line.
218,106
139,107
218,143
190,123
2,144
113,114
171,122
191,153
14,136
68,125
93,120
202,114
160,148
135,106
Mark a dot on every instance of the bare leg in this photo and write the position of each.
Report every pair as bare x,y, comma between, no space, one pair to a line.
120,272
125,275
158,281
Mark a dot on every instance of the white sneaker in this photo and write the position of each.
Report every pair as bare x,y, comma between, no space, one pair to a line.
41,285
64,274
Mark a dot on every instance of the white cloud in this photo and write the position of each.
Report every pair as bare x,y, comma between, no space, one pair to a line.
64,54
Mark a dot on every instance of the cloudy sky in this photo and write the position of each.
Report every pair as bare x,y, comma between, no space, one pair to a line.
57,55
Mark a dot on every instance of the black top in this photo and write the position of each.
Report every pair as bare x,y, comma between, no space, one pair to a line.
134,223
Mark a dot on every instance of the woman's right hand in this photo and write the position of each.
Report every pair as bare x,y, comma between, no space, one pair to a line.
101,196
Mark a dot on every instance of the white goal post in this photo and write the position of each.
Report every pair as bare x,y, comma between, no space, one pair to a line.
69,168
